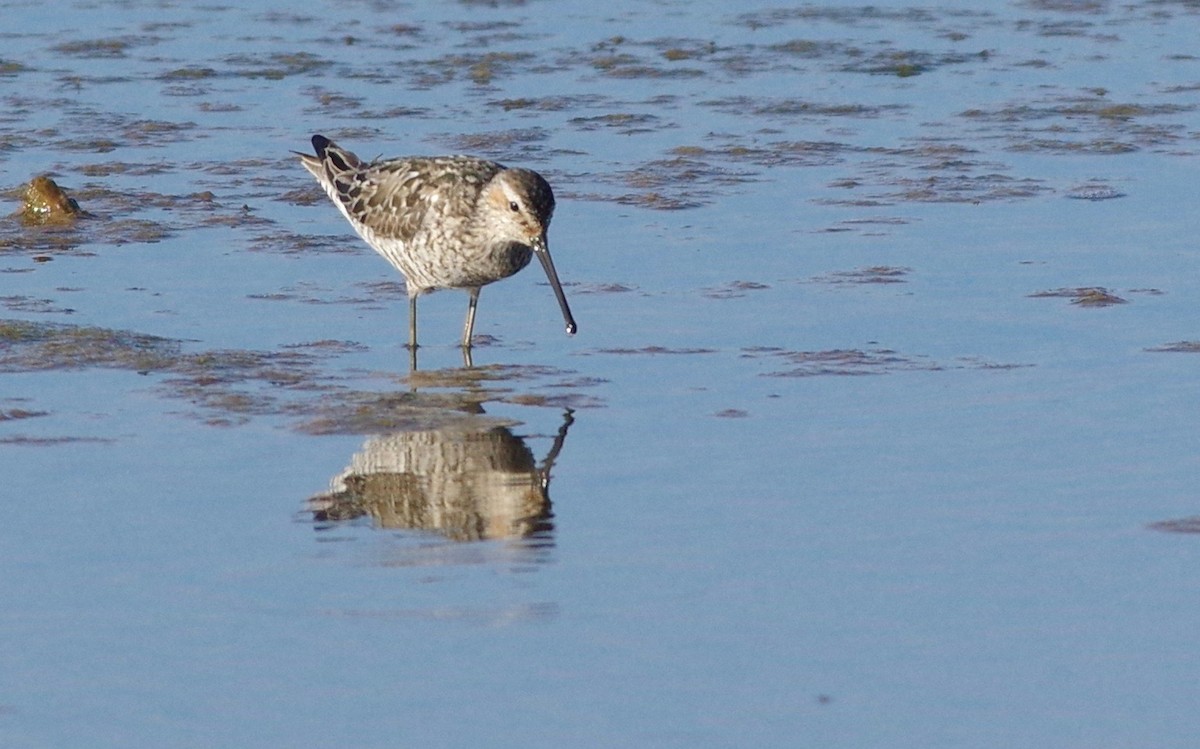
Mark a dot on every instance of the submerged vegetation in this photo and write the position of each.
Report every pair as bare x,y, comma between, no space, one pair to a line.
230,386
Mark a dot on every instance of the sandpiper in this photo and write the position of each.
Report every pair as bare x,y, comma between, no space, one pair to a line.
445,222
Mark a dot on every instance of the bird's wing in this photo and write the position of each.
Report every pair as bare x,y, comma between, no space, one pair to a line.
394,198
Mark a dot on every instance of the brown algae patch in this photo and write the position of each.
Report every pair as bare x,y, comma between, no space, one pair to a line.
778,153
843,362
625,123
15,414
498,144
11,67
908,63
930,171
229,387
99,48
29,346
481,69
890,188
1094,146
275,66
734,289
208,379
330,346
792,108
869,226
1178,347
620,57
656,351
858,362
284,242
19,303
876,274
556,103
676,183
1085,124
731,413
603,288
683,58
1083,296
189,73
852,16
109,168
1180,525
51,441
807,48
48,216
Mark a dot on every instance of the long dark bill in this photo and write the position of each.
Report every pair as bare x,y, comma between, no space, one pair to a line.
542,250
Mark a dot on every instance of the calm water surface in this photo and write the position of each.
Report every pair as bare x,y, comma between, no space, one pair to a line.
878,431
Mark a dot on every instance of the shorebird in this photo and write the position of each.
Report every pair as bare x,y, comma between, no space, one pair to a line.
444,222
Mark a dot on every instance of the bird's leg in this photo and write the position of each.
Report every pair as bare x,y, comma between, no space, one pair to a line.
468,360
469,327
412,322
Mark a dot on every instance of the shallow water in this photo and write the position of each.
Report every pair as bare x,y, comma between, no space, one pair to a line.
877,431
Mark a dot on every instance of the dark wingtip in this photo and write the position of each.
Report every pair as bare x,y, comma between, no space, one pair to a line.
320,143
572,328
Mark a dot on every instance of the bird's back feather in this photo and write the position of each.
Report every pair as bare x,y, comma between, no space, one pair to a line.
397,199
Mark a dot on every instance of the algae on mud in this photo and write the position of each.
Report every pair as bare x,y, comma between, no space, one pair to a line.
878,274
44,202
230,386
1083,296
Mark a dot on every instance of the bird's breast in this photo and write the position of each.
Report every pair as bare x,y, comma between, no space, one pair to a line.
497,260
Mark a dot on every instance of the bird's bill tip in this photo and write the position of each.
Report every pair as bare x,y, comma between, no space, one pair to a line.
543,253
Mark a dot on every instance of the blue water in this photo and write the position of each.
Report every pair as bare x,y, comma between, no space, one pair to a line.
792,510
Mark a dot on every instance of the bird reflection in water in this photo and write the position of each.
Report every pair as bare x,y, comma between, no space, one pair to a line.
468,484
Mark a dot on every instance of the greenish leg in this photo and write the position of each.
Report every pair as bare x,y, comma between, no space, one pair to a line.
469,327
412,322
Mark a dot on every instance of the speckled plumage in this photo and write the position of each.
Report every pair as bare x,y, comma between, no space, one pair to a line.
445,222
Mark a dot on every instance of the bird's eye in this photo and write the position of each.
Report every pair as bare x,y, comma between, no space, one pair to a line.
512,206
